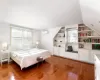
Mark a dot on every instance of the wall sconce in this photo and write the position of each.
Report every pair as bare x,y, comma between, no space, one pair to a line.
45,31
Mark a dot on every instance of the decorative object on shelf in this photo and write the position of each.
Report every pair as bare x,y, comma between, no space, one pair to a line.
60,41
96,46
55,40
64,35
70,49
59,46
81,46
89,34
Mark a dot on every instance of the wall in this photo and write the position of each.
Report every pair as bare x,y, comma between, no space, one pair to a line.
36,37
91,13
3,9
4,33
47,39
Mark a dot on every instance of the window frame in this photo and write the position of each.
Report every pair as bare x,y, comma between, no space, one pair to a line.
69,29
22,38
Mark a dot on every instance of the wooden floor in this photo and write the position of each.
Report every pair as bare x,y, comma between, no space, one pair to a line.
55,68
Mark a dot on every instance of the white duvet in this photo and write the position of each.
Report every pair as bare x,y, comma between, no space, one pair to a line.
26,58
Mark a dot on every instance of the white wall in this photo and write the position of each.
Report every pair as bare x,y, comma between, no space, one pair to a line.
4,33
91,13
47,39
3,9
36,37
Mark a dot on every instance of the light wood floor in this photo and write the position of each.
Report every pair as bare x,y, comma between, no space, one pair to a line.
54,68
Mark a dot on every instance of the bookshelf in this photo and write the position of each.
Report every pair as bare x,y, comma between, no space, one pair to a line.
87,36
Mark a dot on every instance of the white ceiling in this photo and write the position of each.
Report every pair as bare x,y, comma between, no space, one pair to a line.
40,13
91,13
3,9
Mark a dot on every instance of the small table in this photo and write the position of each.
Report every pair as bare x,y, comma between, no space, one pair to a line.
4,56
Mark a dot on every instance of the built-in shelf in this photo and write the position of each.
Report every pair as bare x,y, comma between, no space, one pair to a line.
87,36
59,42
88,43
73,43
83,31
59,39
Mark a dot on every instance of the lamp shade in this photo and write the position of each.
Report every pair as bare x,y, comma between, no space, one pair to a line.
37,42
4,45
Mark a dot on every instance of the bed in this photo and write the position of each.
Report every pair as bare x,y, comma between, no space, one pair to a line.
26,58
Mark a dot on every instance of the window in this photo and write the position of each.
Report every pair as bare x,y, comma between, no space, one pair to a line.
72,36
21,38
72,39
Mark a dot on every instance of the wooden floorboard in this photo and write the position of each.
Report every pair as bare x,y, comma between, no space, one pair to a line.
54,68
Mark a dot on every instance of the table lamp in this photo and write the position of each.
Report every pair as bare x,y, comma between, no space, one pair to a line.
37,43
4,46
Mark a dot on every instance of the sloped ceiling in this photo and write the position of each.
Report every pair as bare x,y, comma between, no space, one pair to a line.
91,13
41,13
3,9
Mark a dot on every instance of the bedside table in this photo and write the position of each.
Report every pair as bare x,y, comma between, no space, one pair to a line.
4,56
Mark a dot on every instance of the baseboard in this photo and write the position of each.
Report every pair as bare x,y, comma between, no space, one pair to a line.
74,60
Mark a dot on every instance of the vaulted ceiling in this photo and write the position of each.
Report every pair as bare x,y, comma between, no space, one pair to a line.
91,13
50,13
41,13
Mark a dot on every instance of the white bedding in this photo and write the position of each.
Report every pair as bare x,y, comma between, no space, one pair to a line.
26,58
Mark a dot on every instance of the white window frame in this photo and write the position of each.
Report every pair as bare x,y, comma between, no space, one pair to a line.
69,41
22,38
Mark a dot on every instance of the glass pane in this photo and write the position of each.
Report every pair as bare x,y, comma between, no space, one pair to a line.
16,43
21,38
27,34
16,32
72,35
27,43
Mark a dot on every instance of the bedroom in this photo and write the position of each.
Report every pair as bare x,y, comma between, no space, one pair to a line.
49,40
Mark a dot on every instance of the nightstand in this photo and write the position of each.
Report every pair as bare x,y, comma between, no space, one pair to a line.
4,56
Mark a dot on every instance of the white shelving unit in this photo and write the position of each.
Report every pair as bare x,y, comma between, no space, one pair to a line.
59,40
86,39
85,53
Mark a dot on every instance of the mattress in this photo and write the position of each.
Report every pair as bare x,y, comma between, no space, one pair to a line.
25,58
